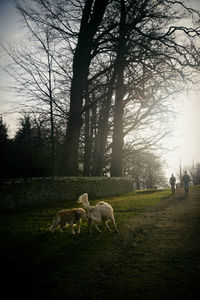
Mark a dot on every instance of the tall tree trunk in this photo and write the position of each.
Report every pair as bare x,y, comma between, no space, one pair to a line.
53,147
103,129
99,149
92,17
117,143
89,124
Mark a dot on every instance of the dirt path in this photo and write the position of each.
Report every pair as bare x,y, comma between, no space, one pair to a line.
155,256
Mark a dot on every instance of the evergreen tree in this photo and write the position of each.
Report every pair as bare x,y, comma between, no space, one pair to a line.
5,151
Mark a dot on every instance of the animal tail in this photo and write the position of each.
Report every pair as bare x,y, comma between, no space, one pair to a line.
51,228
55,223
84,200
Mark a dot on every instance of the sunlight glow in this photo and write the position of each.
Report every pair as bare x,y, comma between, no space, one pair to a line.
187,141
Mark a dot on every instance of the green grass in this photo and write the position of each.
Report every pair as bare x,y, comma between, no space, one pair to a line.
41,262
196,186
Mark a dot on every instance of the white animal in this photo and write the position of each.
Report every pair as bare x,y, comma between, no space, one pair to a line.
68,216
102,211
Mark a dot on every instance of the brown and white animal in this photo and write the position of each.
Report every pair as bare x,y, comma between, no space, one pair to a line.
102,211
68,216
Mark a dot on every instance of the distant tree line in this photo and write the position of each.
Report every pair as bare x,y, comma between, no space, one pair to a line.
28,154
145,168
102,78
193,170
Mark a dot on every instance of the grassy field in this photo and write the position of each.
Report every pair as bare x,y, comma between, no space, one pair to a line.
37,263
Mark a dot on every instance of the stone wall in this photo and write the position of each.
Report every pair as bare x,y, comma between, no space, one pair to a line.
31,191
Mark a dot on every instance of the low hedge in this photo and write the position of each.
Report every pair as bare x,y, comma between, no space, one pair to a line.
30,191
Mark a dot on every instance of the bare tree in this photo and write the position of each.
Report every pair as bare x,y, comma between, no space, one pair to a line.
152,33
145,168
117,63
194,171
35,77
91,19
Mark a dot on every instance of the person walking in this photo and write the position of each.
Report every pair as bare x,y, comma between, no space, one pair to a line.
186,181
172,181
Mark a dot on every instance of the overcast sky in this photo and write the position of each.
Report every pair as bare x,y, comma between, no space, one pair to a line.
186,142
9,30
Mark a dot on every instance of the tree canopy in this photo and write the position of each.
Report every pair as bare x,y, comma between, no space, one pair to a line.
105,74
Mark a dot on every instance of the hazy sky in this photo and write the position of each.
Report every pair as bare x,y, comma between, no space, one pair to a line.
186,142
187,134
10,30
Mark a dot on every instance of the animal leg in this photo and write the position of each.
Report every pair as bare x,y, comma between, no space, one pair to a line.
96,226
106,223
51,228
113,221
89,225
61,227
72,228
79,226
55,223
